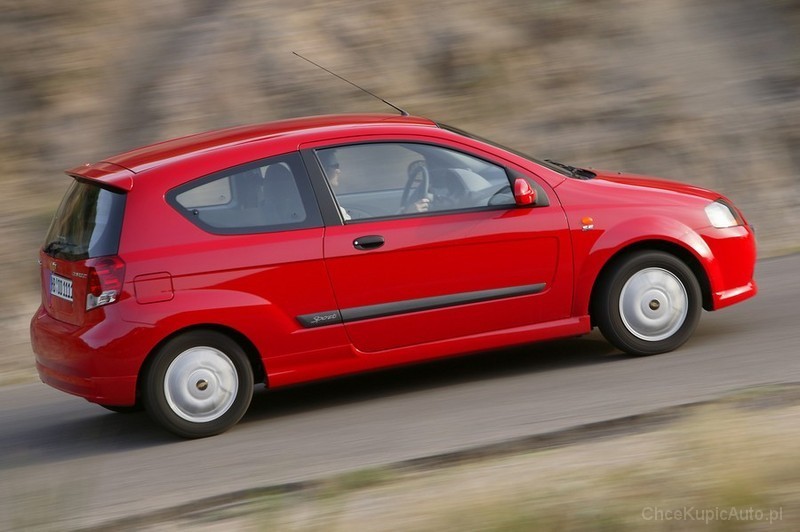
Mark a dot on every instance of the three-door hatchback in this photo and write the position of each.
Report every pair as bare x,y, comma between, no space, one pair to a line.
177,275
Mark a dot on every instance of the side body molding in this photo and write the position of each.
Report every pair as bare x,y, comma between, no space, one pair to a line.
331,317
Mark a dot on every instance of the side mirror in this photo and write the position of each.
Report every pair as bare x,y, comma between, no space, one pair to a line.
524,194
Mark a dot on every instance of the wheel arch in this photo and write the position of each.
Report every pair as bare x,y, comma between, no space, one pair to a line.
253,356
686,256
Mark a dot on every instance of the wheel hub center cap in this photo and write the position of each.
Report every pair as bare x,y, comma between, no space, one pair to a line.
654,304
202,384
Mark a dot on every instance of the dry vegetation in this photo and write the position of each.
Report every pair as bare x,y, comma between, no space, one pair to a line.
705,92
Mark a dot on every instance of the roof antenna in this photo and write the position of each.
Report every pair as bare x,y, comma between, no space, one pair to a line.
393,106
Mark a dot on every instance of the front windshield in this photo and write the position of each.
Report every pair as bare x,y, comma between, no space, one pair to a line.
546,164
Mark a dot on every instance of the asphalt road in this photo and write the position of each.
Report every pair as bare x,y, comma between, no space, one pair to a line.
65,463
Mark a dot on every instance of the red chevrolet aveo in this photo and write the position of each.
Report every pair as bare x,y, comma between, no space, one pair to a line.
177,275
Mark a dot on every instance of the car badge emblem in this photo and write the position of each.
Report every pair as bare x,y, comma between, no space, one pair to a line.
53,266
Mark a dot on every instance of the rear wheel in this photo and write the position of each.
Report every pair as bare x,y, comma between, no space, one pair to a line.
199,384
648,303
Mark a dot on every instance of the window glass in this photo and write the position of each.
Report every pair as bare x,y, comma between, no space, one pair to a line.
393,179
216,192
87,224
546,163
269,195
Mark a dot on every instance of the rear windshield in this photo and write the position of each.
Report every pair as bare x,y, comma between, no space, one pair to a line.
87,224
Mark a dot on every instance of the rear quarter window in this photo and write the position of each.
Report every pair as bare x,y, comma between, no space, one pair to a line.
87,224
269,195
216,192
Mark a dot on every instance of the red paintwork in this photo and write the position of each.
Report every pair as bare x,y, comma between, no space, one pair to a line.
453,254
178,276
106,172
523,192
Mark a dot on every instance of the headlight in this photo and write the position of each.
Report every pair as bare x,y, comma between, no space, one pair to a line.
721,215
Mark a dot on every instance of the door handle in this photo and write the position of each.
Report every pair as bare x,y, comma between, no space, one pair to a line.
368,242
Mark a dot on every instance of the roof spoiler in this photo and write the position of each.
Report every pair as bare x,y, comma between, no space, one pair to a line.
106,175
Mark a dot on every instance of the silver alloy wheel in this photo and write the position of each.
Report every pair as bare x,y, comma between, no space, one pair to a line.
653,304
201,384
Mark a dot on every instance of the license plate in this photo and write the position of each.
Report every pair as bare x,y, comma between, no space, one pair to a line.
61,287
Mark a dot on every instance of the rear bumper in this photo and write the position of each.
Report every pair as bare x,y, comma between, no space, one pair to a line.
118,391
71,359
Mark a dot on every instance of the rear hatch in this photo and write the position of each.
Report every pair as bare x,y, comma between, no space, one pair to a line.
80,268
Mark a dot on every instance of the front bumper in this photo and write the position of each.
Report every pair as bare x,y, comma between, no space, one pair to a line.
731,267
726,298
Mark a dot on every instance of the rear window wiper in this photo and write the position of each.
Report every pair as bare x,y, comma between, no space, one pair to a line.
59,247
580,173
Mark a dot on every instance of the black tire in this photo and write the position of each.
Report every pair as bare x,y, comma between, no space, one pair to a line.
647,303
123,409
199,384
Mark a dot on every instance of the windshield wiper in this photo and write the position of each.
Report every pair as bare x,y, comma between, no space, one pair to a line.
580,173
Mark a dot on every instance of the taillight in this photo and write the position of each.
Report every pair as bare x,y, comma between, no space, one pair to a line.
105,277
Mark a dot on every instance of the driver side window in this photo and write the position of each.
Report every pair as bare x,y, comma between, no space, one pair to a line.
379,180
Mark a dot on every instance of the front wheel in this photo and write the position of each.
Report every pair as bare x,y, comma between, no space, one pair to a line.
199,384
647,303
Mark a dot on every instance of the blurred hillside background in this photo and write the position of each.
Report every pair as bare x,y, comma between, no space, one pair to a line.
704,92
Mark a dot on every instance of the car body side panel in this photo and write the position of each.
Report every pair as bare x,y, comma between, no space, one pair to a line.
273,276
452,255
329,363
623,216
593,252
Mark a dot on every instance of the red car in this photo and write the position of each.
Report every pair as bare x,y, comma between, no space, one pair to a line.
177,275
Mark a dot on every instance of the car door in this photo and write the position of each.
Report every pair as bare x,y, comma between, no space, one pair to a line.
431,246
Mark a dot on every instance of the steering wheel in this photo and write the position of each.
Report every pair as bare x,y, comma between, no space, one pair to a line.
417,172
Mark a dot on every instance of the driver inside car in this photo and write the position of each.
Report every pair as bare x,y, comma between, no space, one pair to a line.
333,172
